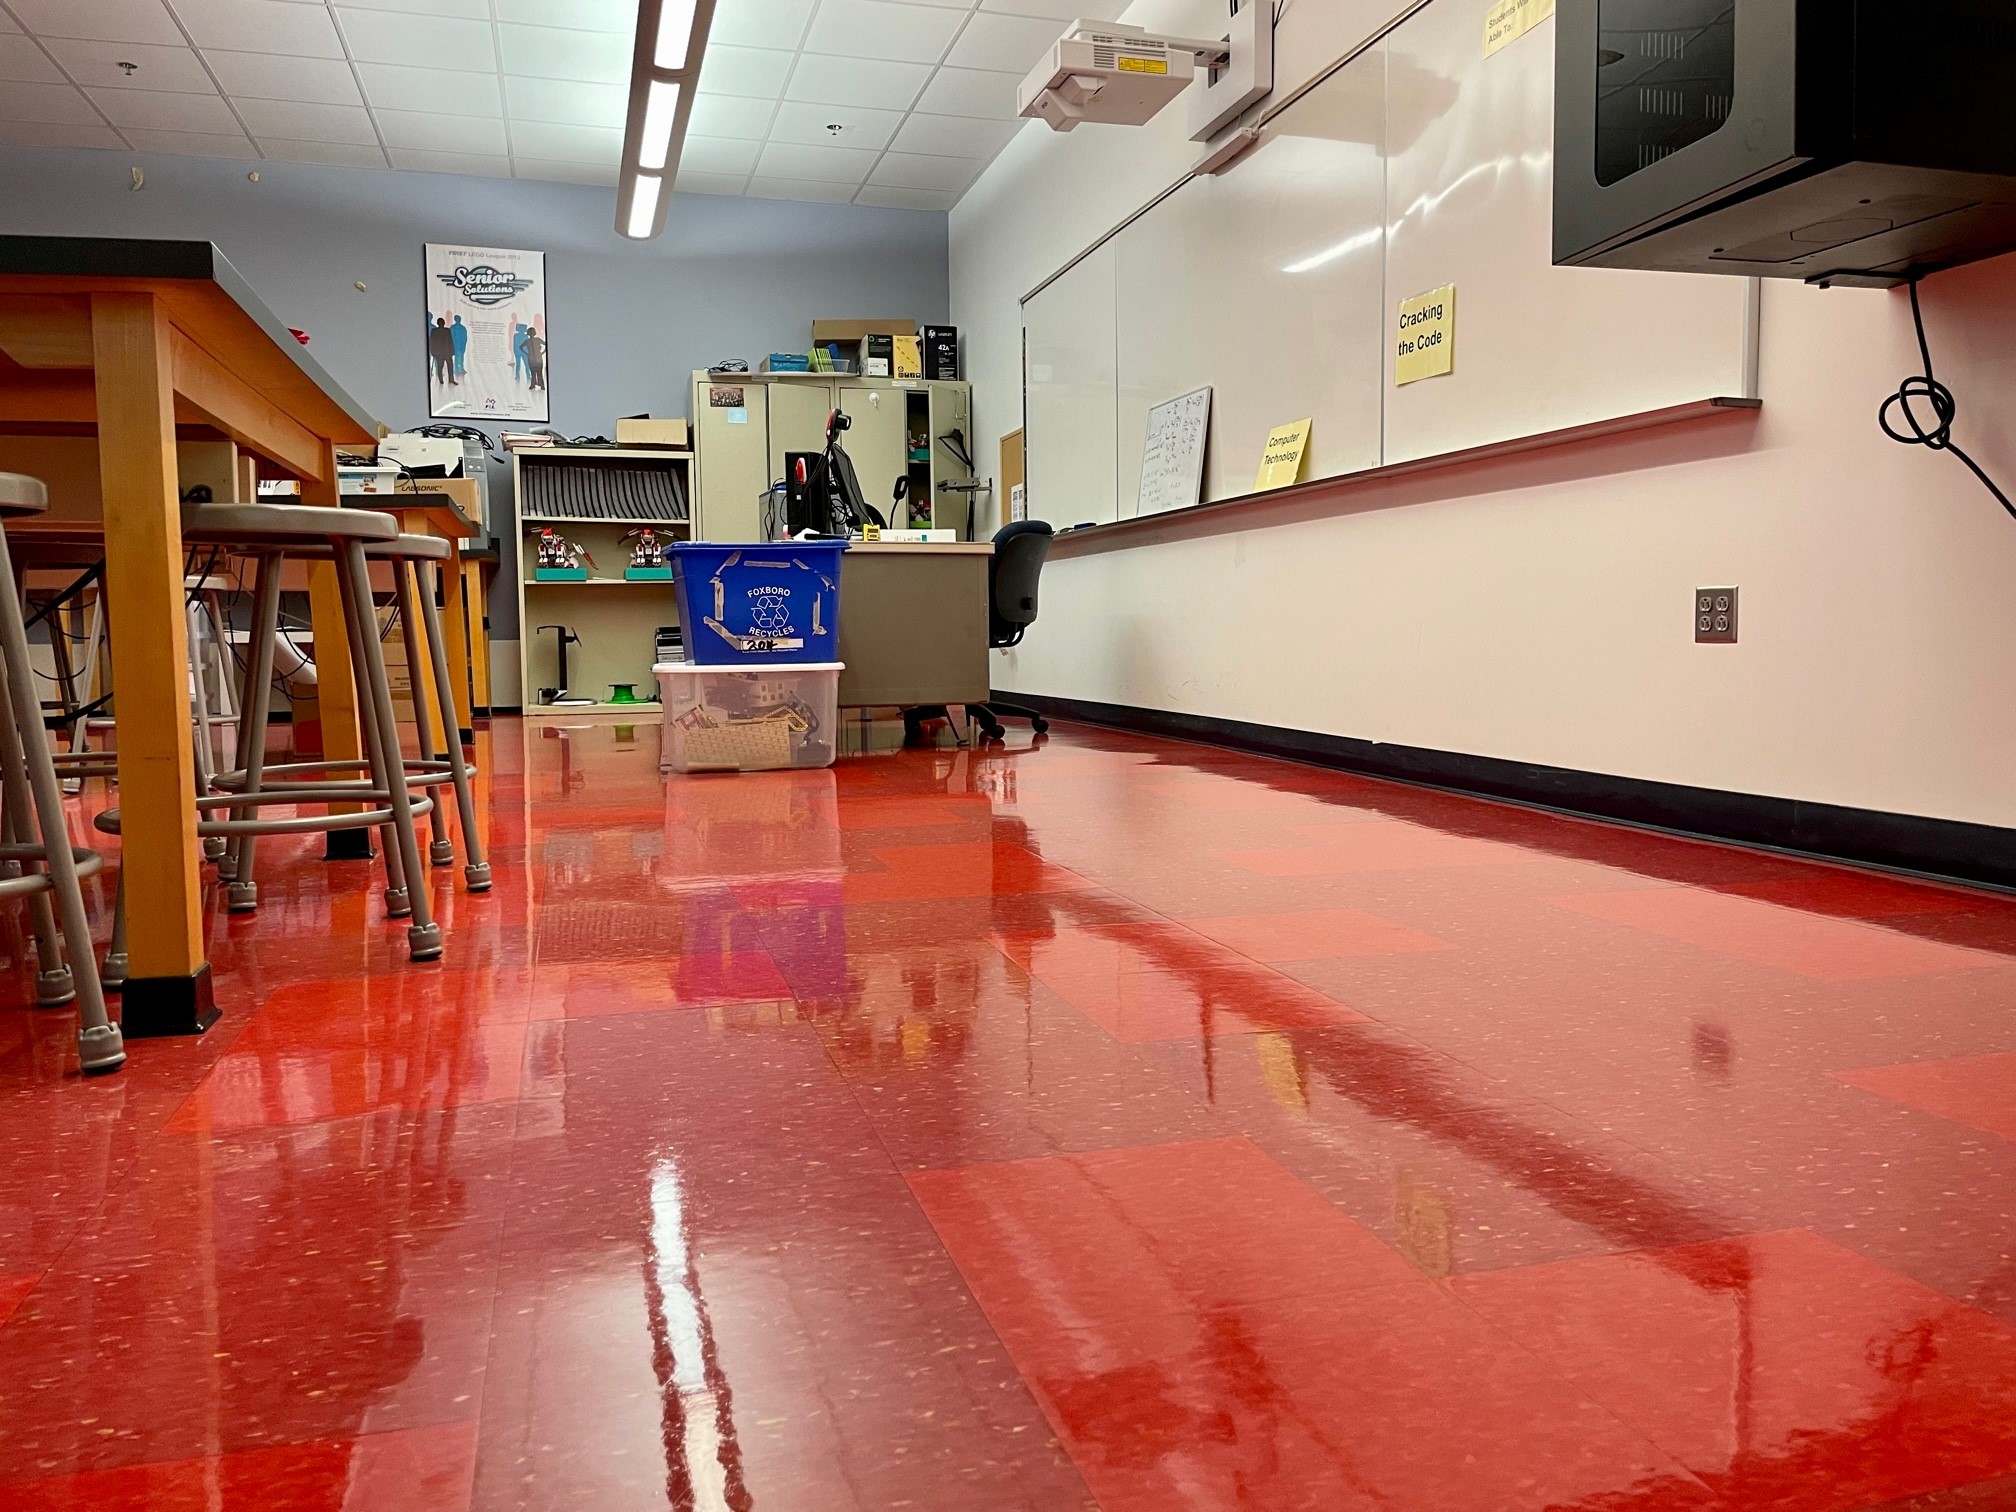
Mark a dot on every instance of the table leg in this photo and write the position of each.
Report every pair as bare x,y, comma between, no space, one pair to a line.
476,601
168,988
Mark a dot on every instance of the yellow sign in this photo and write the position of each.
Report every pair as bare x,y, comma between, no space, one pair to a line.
1508,20
1144,65
1281,463
1427,343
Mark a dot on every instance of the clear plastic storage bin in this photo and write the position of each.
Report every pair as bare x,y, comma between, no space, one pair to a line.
748,719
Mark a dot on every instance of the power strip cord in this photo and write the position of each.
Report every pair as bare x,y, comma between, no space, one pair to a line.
1928,390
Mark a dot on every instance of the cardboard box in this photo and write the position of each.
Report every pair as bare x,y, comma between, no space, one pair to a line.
877,352
643,430
941,352
852,332
908,357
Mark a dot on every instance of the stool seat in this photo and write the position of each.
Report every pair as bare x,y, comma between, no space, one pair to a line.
410,548
22,495
282,524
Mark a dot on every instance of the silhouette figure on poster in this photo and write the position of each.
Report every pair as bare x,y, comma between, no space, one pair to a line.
461,334
441,348
535,358
518,335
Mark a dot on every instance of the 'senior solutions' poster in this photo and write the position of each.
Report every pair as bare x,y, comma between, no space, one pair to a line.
487,353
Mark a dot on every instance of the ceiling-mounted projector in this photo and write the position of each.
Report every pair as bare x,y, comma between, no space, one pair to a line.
1123,75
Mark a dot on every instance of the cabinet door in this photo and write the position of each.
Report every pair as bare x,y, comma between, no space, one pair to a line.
798,414
879,440
733,460
951,410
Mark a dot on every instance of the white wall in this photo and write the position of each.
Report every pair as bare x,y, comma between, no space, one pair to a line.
1539,609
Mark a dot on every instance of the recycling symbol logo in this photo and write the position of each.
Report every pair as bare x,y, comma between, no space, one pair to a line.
770,612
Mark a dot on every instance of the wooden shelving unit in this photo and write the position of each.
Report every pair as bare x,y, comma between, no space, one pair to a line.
594,496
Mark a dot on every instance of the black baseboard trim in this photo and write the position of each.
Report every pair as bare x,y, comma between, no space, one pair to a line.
1946,849
348,845
158,1007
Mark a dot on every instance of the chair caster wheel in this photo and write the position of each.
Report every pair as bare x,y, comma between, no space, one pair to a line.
1040,726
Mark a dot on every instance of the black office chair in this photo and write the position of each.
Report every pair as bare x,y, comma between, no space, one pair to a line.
1019,552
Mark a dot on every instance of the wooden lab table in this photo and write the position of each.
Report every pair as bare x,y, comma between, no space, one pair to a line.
142,345
913,623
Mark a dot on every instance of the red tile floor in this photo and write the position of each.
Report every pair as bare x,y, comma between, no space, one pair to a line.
1114,1123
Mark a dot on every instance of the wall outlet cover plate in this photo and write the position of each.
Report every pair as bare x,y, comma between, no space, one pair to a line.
1715,616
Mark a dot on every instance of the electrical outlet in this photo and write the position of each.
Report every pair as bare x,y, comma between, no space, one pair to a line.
1715,616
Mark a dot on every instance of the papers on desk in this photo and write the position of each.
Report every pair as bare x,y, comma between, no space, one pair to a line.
920,537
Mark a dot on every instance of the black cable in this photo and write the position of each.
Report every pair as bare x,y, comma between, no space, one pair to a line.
1945,408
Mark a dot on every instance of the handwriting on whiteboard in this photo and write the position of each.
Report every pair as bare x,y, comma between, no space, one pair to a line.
1172,465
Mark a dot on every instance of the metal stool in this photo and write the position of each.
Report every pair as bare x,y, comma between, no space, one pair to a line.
270,534
35,831
408,556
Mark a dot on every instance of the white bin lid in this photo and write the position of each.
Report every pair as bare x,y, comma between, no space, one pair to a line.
749,667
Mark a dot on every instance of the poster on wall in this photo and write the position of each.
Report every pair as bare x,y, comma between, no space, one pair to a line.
487,353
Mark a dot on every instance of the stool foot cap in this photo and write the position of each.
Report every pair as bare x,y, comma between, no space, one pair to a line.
244,897
55,988
397,904
477,876
101,1050
424,942
213,848
113,977
227,867
441,852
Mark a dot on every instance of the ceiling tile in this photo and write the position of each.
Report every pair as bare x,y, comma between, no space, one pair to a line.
717,155
910,170
419,160
297,122
342,154
474,10
837,165
954,136
22,61
1060,10
192,143
566,144
433,91
877,29
800,189
52,104
890,198
266,26
99,20
440,133
156,111
873,82
95,65
567,101
870,129
755,71
582,15
759,23
564,173
430,41
49,134
1011,43
261,76
546,52
971,92
730,116
708,183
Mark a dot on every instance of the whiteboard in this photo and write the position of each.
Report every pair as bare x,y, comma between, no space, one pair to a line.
1419,163
1172,458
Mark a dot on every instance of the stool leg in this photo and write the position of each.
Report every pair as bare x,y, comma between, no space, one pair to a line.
442,851
54,985
423,936
100,1045
363,640
115,953
244,893
205,744
477,872
80,728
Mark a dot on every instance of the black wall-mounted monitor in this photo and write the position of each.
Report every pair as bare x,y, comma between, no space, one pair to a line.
1855,141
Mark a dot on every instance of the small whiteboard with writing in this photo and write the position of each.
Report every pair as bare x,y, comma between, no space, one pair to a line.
1172,468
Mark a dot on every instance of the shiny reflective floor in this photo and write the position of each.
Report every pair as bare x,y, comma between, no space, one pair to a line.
1106,1123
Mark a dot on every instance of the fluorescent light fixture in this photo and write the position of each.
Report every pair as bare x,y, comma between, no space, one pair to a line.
661,110
675,35
644,205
